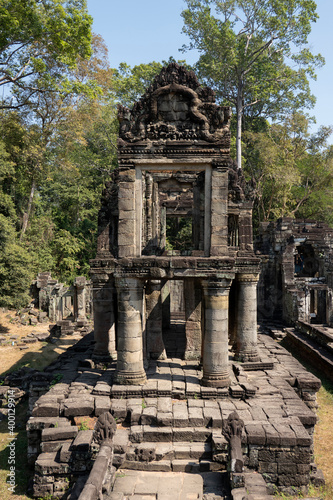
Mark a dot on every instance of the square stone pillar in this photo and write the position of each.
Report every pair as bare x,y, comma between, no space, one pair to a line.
219,209
246,335
104,320
155,344
130,369
127,213
192,297
165,297
215,352
245,228
80,299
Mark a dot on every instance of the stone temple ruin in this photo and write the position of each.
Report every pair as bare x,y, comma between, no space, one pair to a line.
296,280
175,168
176,378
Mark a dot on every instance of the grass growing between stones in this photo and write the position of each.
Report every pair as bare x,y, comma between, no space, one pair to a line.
23,473
323,437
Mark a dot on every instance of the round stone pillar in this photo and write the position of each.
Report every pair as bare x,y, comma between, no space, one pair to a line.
130,369
215,350
246,335
104,325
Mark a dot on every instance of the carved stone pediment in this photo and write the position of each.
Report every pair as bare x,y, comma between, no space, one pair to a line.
175,107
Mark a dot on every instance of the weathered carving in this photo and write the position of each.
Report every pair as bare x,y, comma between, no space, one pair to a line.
233,433
105,428
237,183
107,219
174,107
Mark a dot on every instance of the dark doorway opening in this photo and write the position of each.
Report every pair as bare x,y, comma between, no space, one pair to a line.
306,263
173,325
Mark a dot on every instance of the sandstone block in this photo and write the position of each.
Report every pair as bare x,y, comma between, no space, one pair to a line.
59,433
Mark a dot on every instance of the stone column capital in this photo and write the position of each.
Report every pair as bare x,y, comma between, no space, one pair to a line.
102,291
248,277
125,283
216,286
80,282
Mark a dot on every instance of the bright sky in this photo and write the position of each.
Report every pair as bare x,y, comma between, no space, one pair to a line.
150,30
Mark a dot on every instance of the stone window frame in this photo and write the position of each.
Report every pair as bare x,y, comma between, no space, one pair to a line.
167,165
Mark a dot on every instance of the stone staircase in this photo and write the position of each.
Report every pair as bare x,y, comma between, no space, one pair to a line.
175,435
314,343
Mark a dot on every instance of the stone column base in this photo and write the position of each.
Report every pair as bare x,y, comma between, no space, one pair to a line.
216,380
249,356
130,378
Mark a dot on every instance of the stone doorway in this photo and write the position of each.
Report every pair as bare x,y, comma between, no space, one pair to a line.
318,306
181,320
173,324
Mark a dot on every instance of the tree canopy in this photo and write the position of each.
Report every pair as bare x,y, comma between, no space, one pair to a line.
291,169
41,38
254,54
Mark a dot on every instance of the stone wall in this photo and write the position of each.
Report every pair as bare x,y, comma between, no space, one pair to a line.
296,271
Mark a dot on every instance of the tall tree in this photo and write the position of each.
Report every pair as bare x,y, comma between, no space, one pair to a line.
62,148
52,123
254,54
37,36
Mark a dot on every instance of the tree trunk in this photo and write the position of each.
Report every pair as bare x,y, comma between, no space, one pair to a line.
239,111
26,215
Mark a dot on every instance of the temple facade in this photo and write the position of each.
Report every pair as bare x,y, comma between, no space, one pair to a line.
175,231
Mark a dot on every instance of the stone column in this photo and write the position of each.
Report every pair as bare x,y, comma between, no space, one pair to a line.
155,344
104,321
246,337
80,299
215,353
192,297
130,369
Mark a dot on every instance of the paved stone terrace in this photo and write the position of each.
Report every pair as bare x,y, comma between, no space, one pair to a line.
151,485
173,424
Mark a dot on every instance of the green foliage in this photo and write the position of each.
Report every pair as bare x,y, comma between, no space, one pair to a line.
42,38
84,426
179,233
57,378
130,83
292,170
15,267
245,50
56,153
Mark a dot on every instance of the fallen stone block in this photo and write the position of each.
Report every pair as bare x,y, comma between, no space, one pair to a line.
59,433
